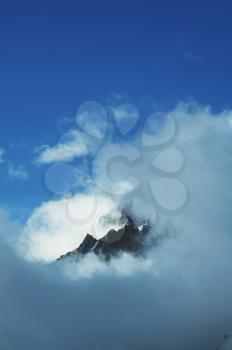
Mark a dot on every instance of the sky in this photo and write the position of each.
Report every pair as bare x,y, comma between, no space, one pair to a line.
110,105
56,55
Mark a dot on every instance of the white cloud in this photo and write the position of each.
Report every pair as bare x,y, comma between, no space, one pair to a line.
59,226
124,265
203,139
91,117
126,111
16,171
179,297
70,146
126,117
2,155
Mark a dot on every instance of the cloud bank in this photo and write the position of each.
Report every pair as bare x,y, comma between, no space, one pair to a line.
179,297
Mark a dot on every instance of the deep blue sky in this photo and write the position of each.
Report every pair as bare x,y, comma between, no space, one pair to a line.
57,54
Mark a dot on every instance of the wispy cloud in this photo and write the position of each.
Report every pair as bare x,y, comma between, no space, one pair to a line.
13,170
16,171
69,147
2,155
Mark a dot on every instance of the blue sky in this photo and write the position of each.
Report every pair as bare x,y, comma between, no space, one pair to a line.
159,56
57,54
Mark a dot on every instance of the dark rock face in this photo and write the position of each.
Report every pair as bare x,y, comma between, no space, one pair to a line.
130,238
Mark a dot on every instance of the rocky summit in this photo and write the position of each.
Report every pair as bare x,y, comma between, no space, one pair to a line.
130,238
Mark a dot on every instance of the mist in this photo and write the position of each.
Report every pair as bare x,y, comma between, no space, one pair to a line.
177,297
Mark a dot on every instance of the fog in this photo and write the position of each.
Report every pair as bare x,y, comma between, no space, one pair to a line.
177,297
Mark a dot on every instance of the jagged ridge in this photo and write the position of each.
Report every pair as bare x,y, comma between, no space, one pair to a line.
130,238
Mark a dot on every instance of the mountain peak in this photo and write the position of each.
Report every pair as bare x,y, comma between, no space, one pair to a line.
130,238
